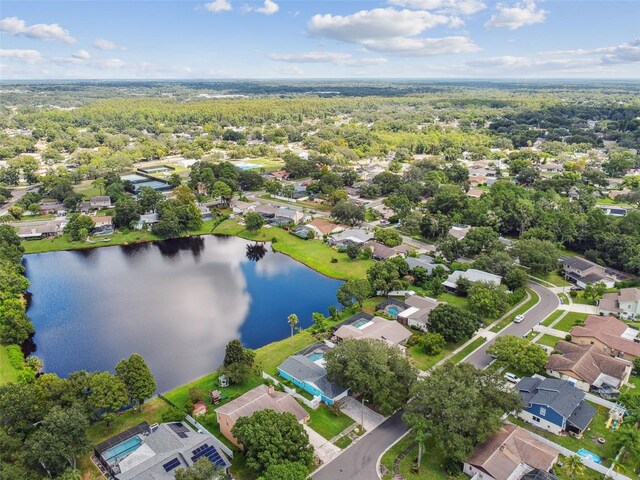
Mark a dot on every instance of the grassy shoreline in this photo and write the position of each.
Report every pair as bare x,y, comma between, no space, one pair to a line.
8,373
313,253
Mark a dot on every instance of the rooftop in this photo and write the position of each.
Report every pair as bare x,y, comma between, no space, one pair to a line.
262,398
610,331
503,453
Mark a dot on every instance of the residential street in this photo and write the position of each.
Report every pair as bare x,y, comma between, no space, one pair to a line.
360,462
548,303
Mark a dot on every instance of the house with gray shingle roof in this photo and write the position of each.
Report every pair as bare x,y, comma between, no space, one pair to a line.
554,405
309,374
473,275
426,262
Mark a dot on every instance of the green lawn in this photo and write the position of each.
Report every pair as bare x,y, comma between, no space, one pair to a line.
313,253
548,340
118,238
581,299
7,372
343,442
477,343
424,361
452,299
526,306
151,412
569,320
551,318
554,278
430,469
326,422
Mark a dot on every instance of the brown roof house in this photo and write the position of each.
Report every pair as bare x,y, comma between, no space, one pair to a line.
262,397
416,314
623,304
377,328
509,455
322,227
587,365
616,338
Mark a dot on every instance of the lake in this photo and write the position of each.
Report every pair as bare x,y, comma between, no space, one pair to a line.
176,302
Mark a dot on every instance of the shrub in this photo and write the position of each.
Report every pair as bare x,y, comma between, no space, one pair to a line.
334,260
16,358
567,337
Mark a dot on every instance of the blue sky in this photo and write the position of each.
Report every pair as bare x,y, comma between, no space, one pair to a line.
320,39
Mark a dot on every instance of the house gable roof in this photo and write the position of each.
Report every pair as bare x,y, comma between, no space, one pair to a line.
610,331
587,362
260,398
502,454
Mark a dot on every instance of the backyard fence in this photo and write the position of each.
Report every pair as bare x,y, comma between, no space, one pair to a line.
313,404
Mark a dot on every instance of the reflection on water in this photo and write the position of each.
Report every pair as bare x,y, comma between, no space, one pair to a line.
256,252
176,302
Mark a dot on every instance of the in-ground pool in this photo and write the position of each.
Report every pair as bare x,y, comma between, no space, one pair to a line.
121,450
360,323
590,455
316,356
393,311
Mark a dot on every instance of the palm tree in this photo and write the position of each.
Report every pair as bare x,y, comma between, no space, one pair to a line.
418,433
628,437
293,321
574,467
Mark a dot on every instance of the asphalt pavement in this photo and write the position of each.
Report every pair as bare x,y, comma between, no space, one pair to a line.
548,303
360,461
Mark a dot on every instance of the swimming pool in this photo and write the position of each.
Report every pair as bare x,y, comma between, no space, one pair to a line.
121,450
359,323
393,311
590,455
316,356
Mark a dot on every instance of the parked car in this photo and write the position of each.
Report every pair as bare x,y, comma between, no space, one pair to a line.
510,377
519,318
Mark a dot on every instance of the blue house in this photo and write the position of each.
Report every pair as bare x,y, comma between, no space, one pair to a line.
554,405
311,376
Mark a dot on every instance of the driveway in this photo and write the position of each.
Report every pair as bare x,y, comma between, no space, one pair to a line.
323,448
548,303
353,408
360,461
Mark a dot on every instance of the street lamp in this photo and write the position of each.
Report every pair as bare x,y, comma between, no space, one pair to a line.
362,422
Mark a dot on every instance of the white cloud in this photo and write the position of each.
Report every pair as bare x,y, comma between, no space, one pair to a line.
26,56
40,31
102,44
423,47
268,8
520,14
336,58
81,54
455,7
392,31
565,60
218,6
378,23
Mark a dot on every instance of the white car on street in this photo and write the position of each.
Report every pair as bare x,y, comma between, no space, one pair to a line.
518,319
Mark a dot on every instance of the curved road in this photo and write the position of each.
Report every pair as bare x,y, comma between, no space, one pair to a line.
548,303
360,462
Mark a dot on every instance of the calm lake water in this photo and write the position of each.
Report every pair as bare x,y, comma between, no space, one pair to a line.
176,302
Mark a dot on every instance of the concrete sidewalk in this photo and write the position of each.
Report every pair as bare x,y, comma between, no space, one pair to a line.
580,308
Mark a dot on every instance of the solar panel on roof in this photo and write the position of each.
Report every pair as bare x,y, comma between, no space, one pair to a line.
182,434
170,465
